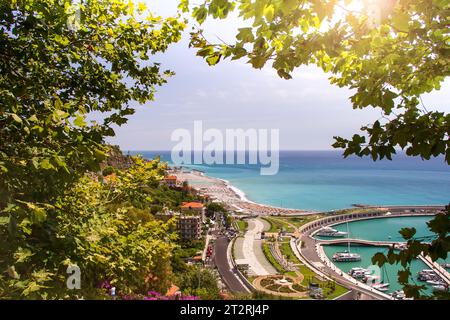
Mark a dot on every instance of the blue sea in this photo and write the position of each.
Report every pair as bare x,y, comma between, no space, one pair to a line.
324,180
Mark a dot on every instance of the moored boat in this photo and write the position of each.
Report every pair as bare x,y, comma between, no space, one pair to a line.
330,232
440,288
346,256
435,282
427,275
370,278
381,286
358,272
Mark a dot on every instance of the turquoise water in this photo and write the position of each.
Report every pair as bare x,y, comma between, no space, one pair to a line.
323,180
385,229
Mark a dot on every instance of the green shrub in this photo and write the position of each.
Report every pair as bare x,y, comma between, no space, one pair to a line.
108,171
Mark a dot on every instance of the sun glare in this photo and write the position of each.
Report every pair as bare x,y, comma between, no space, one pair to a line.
353,5
356,7
373,9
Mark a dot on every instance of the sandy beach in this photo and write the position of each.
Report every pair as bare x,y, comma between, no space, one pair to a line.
222,191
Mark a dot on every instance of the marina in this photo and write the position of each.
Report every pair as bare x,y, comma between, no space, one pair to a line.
388,275
353,273
384,279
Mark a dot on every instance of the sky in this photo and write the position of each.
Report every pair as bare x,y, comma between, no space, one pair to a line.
307,110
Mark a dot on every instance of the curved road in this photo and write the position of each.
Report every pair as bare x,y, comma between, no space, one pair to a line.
229,277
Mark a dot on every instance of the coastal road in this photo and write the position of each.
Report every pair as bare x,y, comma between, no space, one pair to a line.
230,278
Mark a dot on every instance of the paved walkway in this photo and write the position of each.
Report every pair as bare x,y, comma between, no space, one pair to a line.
251,250
238,249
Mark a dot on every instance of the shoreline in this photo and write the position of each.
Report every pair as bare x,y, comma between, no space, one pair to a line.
241,194
223,191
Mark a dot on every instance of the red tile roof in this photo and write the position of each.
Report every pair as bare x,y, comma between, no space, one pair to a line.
170,178
191,205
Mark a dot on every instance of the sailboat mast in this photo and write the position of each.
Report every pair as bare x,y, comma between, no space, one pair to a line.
348,239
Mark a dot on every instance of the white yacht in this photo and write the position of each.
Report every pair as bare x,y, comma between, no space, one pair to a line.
358,272
426,271
381,286
371,278
330,232
440,287
435,282
426,275
346,256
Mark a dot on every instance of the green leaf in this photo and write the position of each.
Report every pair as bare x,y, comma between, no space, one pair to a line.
109,47
4,221
269,12
403,276
31,287
79,121
33,118
245,35
283,74
22,255
46,165
213,60
401,21
184,5
408,233
16,118
200,14
379,259
100,155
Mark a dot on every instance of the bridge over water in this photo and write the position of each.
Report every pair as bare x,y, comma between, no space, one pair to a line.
360,242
